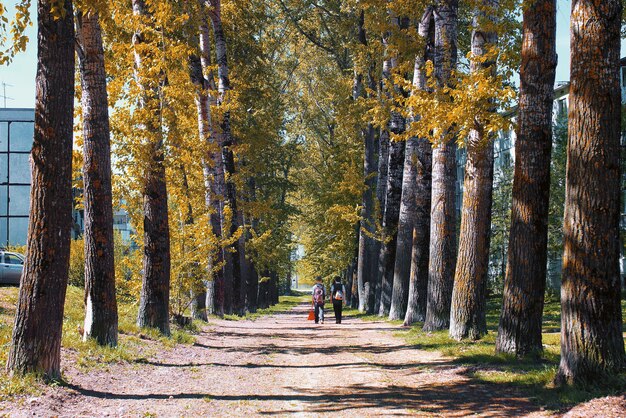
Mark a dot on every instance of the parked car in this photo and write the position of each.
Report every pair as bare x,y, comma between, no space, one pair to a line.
11,266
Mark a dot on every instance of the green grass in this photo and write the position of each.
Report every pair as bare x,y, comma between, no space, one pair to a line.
533,376
134,343
354,313
285,303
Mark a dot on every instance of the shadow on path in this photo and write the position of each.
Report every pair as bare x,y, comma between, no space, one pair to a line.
435,399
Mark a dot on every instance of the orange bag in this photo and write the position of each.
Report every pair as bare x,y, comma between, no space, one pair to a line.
311,315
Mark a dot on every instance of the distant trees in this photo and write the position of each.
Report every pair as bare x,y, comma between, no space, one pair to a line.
592,344
36,348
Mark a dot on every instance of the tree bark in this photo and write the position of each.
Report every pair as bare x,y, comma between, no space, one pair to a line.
212,166
100,300
519,331
408,203
226,142
210,297
198,304
390,224
592,344
442,256
367,258
395,171
155,288
468,316
369,247
374,288
36,348
263,298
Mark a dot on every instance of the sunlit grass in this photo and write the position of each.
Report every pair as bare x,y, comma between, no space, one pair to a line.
533,376
285,303
134,343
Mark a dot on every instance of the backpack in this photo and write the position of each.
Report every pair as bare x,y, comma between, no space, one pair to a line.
318,295
338,291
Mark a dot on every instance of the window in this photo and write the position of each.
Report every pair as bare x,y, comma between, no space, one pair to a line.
12,259
16,139
22,136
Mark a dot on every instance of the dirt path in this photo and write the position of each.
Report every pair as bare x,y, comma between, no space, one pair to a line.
280,365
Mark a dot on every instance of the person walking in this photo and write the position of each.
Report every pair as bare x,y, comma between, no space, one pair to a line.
319,295
338,297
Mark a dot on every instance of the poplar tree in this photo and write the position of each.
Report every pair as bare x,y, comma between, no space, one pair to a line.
36,348
519,331
100,299
234,296
468,311
155,289
418,279
592,344
442,260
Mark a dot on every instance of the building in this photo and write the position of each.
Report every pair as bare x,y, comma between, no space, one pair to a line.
121,225
16,138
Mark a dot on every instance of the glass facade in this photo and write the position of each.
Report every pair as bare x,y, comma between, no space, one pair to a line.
16,138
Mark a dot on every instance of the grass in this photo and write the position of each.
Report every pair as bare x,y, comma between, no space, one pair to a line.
134,343
285,303
533,376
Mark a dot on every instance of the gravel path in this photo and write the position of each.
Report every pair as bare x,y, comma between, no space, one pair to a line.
280,365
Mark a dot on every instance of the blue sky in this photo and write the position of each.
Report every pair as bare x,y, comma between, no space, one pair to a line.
21,73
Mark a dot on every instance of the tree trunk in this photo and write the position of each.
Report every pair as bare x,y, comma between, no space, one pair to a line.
100,298
395,171
368,245
226,143
442,256
36,348
468,315
252,287
210,297
263,299
519,331
420,234
212,167
243,265
408,211
375,287
592,345
155,288
367,258
390,224
355,300
198,303
406,221
273,288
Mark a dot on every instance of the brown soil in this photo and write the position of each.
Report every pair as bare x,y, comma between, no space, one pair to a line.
284,365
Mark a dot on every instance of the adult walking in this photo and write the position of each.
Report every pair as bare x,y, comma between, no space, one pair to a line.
338,297
319,295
